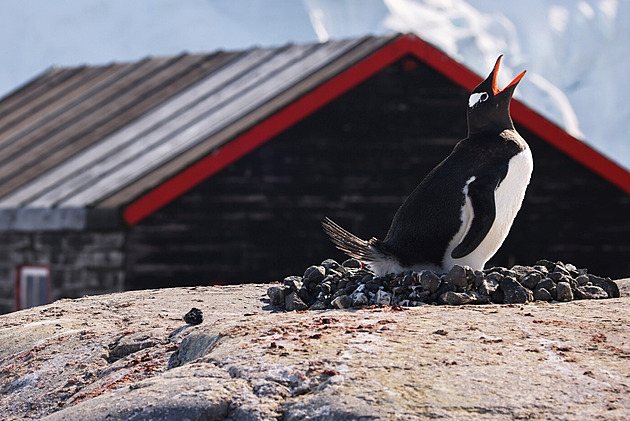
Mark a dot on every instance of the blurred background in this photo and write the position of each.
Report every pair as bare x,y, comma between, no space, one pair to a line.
576,52
59,240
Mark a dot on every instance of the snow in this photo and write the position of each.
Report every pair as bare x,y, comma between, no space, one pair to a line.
576,51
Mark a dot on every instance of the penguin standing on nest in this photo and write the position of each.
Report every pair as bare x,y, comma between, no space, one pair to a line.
463,209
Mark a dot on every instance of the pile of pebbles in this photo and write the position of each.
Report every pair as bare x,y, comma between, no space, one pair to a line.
331,285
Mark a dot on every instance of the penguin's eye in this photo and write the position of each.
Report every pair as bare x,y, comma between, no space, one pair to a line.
476,98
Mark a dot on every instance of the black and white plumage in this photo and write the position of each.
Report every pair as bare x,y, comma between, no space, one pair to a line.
463,209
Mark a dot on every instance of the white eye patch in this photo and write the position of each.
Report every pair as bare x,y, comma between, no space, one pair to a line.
476,98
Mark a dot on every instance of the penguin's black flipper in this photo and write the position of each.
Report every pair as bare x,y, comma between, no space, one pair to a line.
481,194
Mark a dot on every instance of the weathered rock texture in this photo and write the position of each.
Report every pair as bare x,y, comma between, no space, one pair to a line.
131,356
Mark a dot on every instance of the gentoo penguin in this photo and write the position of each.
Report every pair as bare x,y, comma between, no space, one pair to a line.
463,209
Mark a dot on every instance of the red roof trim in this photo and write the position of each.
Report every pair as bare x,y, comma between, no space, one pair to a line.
338,85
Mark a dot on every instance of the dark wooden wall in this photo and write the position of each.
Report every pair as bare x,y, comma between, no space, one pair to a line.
355,160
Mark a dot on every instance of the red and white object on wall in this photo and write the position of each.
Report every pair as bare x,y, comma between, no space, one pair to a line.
32,286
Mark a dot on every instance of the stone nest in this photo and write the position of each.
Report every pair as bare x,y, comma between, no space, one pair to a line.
331,285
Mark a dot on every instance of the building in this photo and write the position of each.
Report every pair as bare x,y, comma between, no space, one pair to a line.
218,168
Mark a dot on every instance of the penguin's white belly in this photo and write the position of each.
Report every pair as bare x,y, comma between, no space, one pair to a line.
508,198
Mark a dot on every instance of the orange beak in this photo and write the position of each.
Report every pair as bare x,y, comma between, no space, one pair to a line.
495,73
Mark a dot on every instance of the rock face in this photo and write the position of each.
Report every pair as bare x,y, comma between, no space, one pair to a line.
132,356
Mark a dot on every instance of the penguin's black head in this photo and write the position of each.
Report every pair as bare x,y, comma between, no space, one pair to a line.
488,106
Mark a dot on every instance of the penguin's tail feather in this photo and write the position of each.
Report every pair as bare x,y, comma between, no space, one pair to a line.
366,251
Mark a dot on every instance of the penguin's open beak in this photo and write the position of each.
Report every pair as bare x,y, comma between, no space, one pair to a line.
495,73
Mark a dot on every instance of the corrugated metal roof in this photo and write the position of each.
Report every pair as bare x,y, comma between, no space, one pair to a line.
97,137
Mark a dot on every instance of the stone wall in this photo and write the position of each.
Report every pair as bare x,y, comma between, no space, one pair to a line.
80,262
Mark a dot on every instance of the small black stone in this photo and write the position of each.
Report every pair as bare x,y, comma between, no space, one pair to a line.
496,269
521,271
582,279
549,265
367,278
498,296
372,286
531,280
330,264
541,269
296,284
352,264
326,288
461,298
304,295
423,296
338,293
194,316
276,295
444,288
457,276
479,277
343,301
562,270
294,302
590,292
408,280
495,276
400,291
429,281
563,291
291,280
508,272
350,287
546,283
611,288
318,305
541,294
513,292
314,274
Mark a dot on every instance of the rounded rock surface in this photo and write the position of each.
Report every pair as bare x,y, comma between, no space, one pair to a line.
457,276
276,295
194,316
541,294
563,291
343,301
352,264
294,302
429,281
513,292
314,273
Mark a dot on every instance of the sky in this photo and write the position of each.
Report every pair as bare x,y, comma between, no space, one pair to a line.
576,51
38,34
